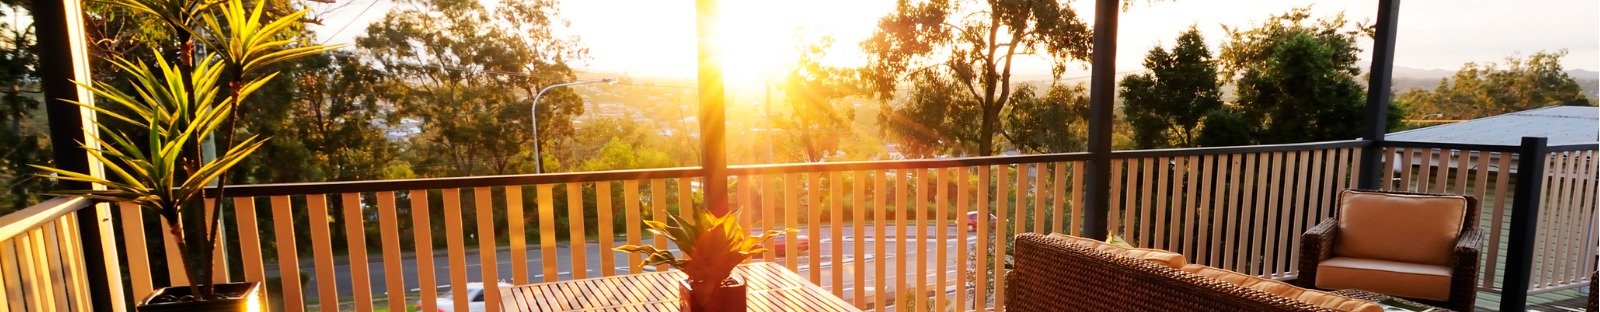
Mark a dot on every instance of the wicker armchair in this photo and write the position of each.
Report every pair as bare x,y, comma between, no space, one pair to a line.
1319,245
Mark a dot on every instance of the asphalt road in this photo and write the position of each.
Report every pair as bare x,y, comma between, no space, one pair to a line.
821,242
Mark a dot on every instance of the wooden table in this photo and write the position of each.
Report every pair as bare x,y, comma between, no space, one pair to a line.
771,288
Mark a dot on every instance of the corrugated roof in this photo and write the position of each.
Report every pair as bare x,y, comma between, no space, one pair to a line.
1563,125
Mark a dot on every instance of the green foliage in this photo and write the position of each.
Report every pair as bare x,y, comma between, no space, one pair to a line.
1251,48
440,54
1224,127
21,143
1482,90
957,56
617,155
1164,106
1296,81
816,124
1056,122
178,103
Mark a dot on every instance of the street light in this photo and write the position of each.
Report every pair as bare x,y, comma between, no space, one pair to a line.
538,162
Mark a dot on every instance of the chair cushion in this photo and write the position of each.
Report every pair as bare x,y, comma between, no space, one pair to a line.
1388,277
1162,257
1281,289
1399,227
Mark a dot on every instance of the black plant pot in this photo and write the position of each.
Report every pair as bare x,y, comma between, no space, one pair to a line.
233,297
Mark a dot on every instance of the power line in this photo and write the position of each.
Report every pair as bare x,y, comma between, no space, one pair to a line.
352,21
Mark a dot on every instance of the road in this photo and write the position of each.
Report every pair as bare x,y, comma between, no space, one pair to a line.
821,242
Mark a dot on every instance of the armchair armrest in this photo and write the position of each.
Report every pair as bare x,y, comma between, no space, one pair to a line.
1464,274
1316,245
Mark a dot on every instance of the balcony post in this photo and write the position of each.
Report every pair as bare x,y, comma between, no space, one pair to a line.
714,161
63,58
1375,122
1524,220
1102,95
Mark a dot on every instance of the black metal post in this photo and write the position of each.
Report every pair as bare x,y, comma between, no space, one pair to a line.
712,136
1524,220
63,57
1102,95
1375,122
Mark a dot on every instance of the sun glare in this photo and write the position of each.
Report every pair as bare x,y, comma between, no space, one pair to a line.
758,39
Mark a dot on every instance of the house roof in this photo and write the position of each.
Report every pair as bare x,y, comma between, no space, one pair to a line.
1563,125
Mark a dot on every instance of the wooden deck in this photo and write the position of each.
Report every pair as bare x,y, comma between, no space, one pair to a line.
1555,301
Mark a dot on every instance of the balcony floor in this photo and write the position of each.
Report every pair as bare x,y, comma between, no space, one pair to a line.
1572,299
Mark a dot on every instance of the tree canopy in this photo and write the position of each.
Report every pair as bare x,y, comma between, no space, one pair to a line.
1165,105
957,58
469,74
1488,89
815,123
1296,78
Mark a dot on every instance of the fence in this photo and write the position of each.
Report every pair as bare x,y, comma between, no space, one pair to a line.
41,258
887,233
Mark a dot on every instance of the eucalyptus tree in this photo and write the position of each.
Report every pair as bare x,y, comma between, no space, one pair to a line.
468,71
956,57
1165,105
816,122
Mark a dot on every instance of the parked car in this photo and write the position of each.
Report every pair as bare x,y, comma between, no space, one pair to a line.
446,299
972,221
780,244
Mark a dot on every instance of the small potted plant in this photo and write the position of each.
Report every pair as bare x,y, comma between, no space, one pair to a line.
176,101
712,247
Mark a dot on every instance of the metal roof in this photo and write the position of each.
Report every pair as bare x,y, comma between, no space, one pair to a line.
1563,125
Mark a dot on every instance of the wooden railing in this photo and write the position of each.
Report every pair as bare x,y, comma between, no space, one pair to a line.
1566,233
1238,208
41,258
885,233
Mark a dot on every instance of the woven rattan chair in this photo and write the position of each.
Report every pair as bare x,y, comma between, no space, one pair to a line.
1053,275
1397,238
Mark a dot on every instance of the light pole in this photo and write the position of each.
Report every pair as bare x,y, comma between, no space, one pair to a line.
538,162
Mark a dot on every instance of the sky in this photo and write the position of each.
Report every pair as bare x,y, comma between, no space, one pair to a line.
656,38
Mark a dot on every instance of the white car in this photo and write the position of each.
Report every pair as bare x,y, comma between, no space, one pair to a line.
446,300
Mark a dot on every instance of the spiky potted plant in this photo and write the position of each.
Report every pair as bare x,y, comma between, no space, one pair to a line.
176,101
712,247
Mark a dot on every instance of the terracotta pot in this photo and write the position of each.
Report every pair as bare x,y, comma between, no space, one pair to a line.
727,296
236,297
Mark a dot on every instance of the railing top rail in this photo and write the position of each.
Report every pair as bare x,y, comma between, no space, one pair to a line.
1454,146
1294,147
280,189
283,189
1573,147
21,221
904,164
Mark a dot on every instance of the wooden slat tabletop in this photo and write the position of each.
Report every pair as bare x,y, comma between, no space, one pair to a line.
771,287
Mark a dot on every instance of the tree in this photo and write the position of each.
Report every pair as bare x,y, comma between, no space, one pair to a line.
1482,90
1054,123
1296,82
618,155
21,141
816,124
957,57
1164,106
469,72
1224,127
